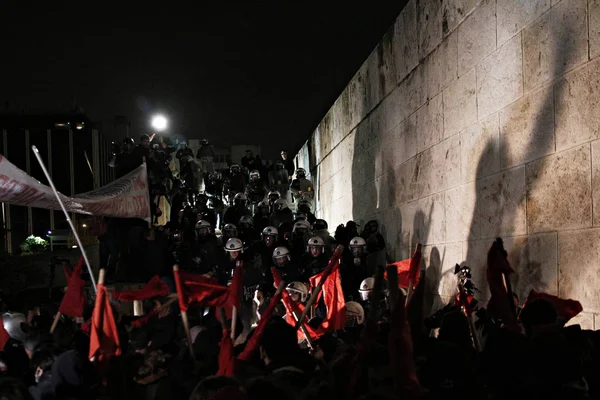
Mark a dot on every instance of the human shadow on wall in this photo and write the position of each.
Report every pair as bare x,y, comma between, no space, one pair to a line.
491,196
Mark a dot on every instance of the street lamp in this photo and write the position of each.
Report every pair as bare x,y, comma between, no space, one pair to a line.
159,123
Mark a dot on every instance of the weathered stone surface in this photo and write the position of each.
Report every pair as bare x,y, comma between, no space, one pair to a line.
501,203
475,255
439,262
574,96
594,10
412,91
375,80
430,123
404,140
429,25
555,43
534,260
405,186
579,271
499,78
480,155
515,15
460,104
559,192
356,94
437,168
461,221
596,181
405,42
527,128
477,36
454,11
441,66
584,319
429,223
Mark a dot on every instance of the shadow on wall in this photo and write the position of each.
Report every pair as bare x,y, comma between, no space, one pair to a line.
492,201
368,203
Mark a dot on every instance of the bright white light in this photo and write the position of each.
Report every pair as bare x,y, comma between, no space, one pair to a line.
159,122
84,226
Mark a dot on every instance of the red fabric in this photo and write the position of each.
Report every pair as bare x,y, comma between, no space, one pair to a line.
104,337
565,309
367,339
497,267
198,288
464,300
237,286
291,307
408,271
154,288
86,327
3,337
333,297
73,301
400,348
254,341
143,320
226,355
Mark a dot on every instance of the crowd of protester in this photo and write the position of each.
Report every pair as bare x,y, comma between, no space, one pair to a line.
271,304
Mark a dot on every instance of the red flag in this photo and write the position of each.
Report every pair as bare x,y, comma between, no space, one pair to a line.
226,355
292,307
198,288
408,270
333,296
3,336
565,309
254,341
104,337
155,288
73,301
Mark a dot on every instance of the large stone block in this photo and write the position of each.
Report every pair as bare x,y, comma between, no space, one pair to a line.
437,168
499,78
441,66
405,42
439,261
555,43
430,123
579,271
429,25
534,259
477,36
475,255
594,10
405,185
515,15
559,194
596,181
429,223
575,96
412,91
460,104
501,203
387,70
461,221
357,94
480,155
404,140
527,128
454,11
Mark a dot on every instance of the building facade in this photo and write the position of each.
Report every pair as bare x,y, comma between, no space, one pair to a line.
75,155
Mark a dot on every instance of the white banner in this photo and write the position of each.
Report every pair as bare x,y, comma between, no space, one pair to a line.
127,197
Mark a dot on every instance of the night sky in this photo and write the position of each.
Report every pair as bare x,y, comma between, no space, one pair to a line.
261,72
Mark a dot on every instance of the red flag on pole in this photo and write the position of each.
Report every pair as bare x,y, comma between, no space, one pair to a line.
73,301
408,270
333,296
154,288
104,337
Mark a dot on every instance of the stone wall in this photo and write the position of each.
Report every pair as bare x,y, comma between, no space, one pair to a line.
473,119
